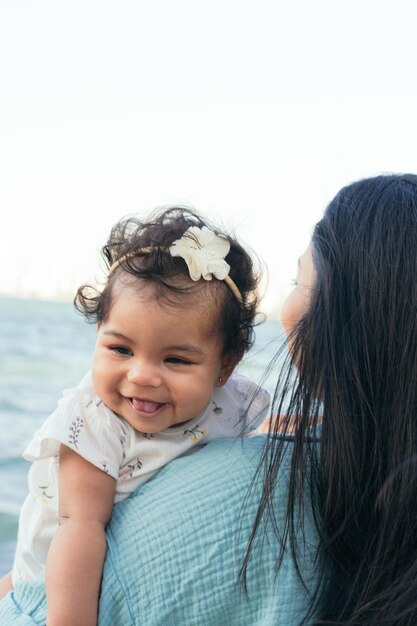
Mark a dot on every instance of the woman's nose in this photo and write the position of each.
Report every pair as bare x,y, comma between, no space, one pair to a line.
144,374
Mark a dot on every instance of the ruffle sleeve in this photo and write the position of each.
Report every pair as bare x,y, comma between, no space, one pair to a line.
235,410
84,424
254,401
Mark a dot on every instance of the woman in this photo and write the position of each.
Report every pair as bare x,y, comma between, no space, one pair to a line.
352,408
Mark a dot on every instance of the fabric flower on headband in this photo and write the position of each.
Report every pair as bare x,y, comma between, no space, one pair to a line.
204,253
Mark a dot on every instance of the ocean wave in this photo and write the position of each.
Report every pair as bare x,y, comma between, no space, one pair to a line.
8,522
9,461
10,406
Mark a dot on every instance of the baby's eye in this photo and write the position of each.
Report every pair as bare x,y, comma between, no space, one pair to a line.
176,360
293,282
122,350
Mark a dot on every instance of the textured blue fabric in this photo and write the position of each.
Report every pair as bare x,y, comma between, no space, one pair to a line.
26,606
175,548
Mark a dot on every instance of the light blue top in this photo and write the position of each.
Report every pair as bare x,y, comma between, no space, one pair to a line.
176,545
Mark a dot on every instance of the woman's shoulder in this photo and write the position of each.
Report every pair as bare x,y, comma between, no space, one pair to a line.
196,501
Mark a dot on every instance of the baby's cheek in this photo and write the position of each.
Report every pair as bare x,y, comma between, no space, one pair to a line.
98,379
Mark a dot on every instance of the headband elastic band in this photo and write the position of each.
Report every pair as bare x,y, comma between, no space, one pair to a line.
229,281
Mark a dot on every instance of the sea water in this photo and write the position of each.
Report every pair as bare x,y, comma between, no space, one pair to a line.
46,347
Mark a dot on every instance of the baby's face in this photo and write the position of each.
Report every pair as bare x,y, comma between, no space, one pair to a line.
155,366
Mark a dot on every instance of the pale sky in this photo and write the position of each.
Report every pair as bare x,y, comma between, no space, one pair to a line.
255,113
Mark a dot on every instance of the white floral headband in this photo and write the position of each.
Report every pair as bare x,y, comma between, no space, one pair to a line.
203,251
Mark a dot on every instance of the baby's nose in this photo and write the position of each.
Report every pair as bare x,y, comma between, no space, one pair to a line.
144,374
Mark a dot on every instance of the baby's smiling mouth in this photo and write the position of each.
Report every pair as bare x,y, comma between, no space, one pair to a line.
145,406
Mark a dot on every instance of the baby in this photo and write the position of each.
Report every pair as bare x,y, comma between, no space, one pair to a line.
174,318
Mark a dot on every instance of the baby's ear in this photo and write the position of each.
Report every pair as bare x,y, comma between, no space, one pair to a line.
229,363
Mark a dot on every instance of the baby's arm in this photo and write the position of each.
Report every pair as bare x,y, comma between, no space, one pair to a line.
76,555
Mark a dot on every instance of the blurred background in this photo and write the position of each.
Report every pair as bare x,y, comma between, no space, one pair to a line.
255,113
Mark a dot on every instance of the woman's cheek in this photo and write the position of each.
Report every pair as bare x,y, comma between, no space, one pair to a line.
292,311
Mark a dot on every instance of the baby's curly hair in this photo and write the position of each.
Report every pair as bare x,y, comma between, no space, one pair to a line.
141,249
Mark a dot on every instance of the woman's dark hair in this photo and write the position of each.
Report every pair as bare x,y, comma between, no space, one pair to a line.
352,404
141,249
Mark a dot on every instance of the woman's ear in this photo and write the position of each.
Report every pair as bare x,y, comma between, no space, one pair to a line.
229,363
